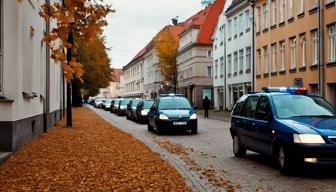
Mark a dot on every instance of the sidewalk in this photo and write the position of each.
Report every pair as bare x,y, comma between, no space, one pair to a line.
92,156
218,115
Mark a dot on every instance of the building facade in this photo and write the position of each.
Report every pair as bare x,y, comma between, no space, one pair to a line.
239,56
133,76
114,89
291,47
31,85
194,58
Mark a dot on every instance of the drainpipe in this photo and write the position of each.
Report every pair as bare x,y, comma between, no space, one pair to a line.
47,95
321,57
224,88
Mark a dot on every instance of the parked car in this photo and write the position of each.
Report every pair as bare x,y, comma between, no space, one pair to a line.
115,105
289,124
98,103
142,109
106,104
131,108
121,111
172,112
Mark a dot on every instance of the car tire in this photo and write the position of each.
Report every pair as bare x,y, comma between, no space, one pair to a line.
127,116
149,128
238,149
285,162
158,130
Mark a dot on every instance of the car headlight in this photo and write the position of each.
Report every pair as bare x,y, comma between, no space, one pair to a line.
122,107
144,112
193,116
308,139
163,117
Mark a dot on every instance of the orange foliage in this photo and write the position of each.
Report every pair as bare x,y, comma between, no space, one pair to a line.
83,18
166,49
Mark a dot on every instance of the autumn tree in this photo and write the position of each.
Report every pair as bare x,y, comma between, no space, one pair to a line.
96,63
166,49
74,19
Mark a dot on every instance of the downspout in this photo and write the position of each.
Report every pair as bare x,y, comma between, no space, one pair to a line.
252,3
224,88
269,68
47,95
321,56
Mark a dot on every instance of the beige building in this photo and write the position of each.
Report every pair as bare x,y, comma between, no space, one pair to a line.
289,49
114,89
194,58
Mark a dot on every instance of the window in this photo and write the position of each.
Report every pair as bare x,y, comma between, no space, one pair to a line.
229,58
314,3
282,56
332,43
265,16
329,1
241,27
248,58
273,58
315,47
239,106
274,12
235,28
301,6
250,106
209,71
263,111
235,62
258,15
247,19
209,53
302,50
216,68
241,61
292,52
265,60
221,66
230,29
258,61
290,9
282,11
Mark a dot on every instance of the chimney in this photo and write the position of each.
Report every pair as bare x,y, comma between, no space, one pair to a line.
175,20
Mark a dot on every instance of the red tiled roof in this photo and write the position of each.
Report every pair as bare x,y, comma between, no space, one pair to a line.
116,75
206,20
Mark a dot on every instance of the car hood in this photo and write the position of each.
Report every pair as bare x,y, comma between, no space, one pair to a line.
176,113
322,126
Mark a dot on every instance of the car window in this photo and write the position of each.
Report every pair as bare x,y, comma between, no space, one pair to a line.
250,106
174,103
135,103
263,111
147,104
287,106
239,105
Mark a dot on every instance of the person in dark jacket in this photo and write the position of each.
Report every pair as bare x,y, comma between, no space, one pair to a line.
206,106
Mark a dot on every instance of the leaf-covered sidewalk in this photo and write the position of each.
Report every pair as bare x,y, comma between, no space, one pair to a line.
92,156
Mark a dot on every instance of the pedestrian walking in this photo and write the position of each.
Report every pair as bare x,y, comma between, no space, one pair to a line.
206,106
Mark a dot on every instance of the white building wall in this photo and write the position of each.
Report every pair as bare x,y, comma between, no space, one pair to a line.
133,78
238,83
152,74
24,74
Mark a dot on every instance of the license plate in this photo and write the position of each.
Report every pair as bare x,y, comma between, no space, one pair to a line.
180,123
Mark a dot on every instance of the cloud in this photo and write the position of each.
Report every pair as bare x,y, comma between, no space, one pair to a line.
136,22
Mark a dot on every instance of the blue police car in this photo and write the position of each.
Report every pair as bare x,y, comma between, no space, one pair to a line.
172,112
293,126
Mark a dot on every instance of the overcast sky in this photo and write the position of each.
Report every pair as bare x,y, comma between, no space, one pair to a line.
137,21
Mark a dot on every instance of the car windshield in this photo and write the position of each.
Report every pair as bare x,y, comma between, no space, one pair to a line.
174,103
148,104
124,102
135,103
290,106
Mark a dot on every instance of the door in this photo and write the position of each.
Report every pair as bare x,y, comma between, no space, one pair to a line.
264,126
247,121
152,113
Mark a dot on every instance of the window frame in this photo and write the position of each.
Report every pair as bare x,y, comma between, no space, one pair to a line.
332,43
273,55
303,53
292,52
266,60
282,48
315,47
248,55
274,12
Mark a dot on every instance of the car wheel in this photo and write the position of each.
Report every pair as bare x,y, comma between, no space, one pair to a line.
158,130
149,128
238,149
285,162
127,116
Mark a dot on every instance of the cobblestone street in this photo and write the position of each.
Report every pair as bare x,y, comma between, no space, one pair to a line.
210,150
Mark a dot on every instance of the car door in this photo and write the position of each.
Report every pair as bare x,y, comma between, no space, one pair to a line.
138,109
263,124
152,113
248,132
